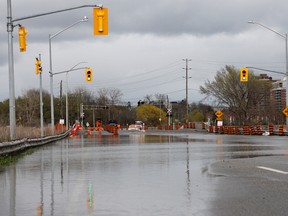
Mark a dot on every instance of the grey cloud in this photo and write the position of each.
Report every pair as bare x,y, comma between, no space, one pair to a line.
161,17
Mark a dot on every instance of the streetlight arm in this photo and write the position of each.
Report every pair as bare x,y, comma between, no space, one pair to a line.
68,27
256,23
73,69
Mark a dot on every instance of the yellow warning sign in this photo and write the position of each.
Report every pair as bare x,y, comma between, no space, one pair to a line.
285,111
218,113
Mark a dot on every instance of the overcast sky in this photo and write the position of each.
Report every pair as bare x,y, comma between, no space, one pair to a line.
147,42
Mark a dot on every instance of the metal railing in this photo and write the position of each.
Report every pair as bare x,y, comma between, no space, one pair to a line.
14,147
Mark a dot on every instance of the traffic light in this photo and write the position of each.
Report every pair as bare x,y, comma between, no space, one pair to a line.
89,73
100,21
22,38
244,75
38,66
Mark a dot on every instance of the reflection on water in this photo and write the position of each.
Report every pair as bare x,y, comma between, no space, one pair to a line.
132,174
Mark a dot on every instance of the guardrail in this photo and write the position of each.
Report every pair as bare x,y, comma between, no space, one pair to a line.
14,147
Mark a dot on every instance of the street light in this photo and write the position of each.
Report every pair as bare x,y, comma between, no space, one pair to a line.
286,52
67,116
50,71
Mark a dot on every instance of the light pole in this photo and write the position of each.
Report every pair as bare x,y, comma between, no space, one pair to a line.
286,53
51,71
67,116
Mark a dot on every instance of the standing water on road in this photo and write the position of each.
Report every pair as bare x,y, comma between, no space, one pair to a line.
130,174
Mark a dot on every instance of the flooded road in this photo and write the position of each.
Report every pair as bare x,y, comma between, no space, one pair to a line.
130,174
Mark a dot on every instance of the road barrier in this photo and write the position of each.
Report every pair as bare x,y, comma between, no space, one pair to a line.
271,129
258,129
247,130
14,147
237,132
281,130
253,132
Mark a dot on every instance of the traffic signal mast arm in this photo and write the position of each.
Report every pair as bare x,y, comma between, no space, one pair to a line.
272,71
58,11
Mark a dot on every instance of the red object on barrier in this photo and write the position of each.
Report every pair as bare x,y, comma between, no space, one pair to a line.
76,127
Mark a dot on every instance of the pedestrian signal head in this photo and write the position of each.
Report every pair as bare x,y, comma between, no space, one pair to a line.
100,21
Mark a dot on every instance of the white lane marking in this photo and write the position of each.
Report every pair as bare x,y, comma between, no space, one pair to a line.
272,170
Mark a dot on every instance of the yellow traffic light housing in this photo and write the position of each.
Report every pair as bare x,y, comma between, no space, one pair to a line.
88,74
100,21
22,38
38,66
244,75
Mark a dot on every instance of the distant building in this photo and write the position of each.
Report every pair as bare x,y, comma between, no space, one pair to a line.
277,101
278,94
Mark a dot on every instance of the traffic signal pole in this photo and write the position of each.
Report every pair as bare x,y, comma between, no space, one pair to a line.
41,100
11,72
10,26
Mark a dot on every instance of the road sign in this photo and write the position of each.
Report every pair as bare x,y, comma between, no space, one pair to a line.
219,123
218,113
285,111
169,111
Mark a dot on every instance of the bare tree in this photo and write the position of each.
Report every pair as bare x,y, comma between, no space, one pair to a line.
102,97
148,99
246,101
28,108
160,98
114,95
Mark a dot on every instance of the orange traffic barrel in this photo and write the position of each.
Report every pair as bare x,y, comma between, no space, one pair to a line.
271,129
210,129
253,132
281,130
216,129
259,131
246,130
237,132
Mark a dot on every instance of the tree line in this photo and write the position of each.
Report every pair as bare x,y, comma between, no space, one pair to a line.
241,103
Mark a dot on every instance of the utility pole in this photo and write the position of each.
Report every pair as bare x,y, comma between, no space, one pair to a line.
61,110
186,77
